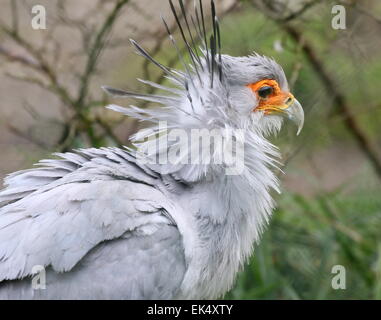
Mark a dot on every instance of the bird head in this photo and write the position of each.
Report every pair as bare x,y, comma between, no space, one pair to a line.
257,88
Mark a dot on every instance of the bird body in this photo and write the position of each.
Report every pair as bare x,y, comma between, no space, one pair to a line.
77,211
116,223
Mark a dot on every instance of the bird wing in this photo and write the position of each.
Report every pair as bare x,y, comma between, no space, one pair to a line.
131,267
54,215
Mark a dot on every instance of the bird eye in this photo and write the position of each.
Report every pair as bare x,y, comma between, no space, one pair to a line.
265,91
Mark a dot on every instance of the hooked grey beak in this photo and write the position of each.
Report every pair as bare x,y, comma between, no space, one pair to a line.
290,108
295,113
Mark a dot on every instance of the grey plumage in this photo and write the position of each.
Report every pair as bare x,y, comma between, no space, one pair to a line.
106,224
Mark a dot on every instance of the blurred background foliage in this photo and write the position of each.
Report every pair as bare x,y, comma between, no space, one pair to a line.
329,212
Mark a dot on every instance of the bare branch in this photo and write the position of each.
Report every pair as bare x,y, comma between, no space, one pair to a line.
276,9
16,131
96,49
339,99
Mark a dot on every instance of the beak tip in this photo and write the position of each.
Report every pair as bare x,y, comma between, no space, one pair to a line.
296,114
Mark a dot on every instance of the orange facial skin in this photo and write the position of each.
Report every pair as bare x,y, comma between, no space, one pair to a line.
275,102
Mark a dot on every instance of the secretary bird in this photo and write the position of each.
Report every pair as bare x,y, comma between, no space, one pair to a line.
120,223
